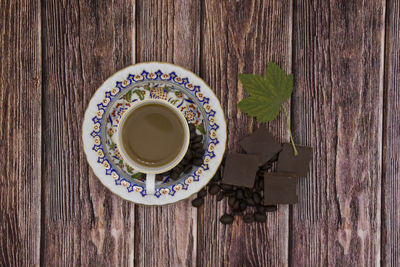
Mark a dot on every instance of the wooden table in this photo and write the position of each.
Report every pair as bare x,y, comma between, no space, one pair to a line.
346,104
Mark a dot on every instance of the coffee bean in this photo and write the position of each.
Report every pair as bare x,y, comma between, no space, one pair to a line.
197,139
248,218
229,193
261,184
260,217
261,208
220,196
237,212
197,202
178,171
199,153
239,194
256,198
174,175
179,167
188,155
192,135
247,193
192,127
250,202
236,205
213,189
165,173
256,187
217,176
231,201
243,205
185,162
226,186
196,146
197,162
202,193
226,219
271,208
187,169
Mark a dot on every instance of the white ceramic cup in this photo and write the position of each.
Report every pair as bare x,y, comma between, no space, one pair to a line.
152,171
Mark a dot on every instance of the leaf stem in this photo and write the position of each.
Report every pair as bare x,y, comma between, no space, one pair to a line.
290,132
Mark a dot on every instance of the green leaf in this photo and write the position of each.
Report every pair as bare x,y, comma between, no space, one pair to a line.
147,87
267,94
139,93
201,129
129,169
262,108
112,146
137,175
278,82
254,84
166,88
128,96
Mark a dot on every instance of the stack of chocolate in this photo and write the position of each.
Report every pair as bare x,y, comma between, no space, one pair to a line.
248,183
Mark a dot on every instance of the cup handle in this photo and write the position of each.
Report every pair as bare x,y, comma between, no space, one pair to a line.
150,183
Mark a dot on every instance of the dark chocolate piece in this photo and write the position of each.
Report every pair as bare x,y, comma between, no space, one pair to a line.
240,169
262,144
299,164
280,188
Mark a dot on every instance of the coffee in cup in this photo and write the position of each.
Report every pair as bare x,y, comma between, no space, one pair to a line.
153,137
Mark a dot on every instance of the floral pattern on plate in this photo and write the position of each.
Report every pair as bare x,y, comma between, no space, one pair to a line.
135,83
169,87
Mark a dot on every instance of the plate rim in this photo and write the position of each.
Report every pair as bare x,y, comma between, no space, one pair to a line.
151,200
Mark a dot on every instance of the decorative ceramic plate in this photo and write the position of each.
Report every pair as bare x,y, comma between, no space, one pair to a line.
174,84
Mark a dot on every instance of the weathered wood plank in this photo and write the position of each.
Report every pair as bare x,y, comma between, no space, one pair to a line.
243,36
391,130
20,133
337,108
168,31
84,43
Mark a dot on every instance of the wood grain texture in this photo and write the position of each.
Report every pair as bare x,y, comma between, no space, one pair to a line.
391,130
84,43
243,36
167,31
346,104
20,133
337,108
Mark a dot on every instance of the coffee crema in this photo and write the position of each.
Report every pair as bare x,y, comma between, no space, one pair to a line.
152,135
